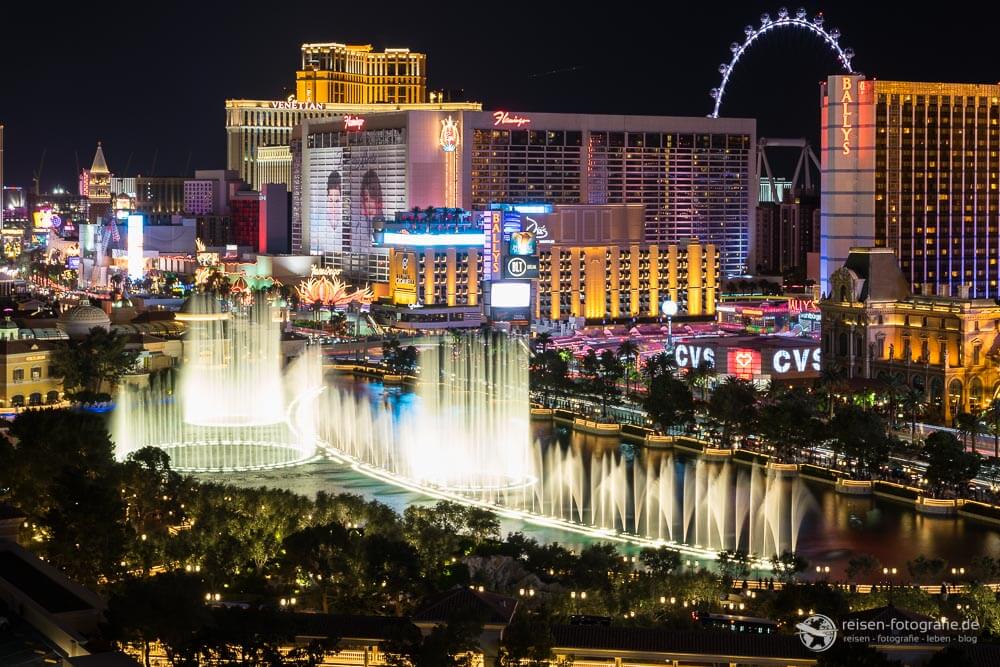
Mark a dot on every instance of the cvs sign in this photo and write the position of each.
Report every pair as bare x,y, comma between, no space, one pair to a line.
691,356
785,361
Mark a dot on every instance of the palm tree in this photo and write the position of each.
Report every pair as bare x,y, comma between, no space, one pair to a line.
912,401
698,377
338,324
968,426
628,351
831,380
734,407
894,388
992,415
543,340
658,365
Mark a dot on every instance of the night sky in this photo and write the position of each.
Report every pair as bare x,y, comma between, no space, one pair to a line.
148,77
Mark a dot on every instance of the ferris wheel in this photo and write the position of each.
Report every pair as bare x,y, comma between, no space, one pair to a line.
799,21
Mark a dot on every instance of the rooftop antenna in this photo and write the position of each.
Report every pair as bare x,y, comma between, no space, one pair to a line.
38,173
128,162
152,170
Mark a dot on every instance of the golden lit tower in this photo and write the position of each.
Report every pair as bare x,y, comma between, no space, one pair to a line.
334,73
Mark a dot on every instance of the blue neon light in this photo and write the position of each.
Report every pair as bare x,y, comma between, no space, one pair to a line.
429,240
533,208
522,208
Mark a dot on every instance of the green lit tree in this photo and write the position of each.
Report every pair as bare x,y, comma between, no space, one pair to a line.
992,417
549,371
628,353
699,377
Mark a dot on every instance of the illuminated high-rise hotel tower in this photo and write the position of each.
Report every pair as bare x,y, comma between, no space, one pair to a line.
334,80
345,74
913,167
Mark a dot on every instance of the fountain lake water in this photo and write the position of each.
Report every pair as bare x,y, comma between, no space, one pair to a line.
466,437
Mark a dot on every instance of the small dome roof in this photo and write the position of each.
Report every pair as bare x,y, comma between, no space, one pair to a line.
77,322
84,313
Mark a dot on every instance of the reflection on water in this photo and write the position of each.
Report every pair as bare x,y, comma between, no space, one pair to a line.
845,526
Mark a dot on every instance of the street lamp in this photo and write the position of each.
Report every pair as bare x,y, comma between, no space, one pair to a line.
669,309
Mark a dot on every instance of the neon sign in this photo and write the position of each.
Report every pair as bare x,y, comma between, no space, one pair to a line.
802,305
845,125
506,118
744,363
541,231
432,240
449,135
691,356
783,359
353,122
492,234
495,234
298,106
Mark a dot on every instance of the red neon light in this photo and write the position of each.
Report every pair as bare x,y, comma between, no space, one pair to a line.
353,122
506,118
744,363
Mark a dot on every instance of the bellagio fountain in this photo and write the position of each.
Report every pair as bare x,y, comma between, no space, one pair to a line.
234,406
467,438
464,437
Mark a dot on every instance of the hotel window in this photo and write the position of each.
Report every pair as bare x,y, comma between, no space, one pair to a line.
18,375
36,373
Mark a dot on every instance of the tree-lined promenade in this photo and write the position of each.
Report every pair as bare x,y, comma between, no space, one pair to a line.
792,424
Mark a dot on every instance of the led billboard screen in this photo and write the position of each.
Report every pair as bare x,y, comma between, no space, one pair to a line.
522,244
510,295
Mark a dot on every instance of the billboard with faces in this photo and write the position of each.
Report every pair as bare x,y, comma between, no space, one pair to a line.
354,188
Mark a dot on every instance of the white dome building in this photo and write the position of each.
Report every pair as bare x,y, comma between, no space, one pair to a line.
77,322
